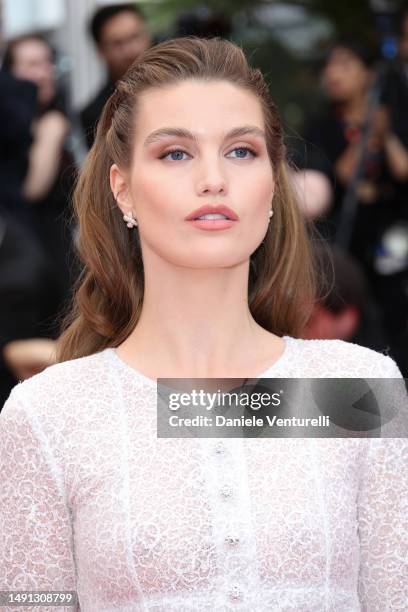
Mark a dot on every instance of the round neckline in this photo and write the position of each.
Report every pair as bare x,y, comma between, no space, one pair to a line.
111,352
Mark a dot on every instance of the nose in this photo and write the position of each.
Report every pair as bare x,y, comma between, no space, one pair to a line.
211,178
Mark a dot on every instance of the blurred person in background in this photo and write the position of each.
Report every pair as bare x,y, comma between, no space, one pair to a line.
395,97
346,310
121,34
391,261
23,263
24,350
332,140
51,169
332,148
17,111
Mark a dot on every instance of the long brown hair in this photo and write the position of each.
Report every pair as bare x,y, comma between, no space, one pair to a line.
109,292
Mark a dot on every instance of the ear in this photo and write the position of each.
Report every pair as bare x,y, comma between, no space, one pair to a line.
120,188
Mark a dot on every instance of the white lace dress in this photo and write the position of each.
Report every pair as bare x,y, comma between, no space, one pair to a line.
92,501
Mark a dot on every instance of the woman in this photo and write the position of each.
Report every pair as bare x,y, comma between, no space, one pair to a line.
334,142
50,174
133,522
24,268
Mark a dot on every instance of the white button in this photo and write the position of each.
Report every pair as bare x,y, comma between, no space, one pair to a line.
235,593
231,540
220,447
226,491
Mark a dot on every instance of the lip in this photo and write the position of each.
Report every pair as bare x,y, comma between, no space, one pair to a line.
212,224
212,209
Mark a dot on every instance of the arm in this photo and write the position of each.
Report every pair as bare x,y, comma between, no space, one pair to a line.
395,151
45,155
383,521
397,157
27,357
36,551
346,163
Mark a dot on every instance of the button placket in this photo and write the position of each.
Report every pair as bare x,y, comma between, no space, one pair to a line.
220,448
225,465
232,540
235,593
226,491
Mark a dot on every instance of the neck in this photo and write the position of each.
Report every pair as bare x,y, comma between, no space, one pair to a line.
197,322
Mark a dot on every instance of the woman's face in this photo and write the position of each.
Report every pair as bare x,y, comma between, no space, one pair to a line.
345,75
32,61
172,175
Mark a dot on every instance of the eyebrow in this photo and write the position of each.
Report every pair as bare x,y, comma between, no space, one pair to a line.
161,133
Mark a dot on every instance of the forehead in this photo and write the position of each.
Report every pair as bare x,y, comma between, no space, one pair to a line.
202,106
31,50
342,54
119,24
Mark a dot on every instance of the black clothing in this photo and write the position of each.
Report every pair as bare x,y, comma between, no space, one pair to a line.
90,114
17,111
395,97
33,239
20,255
53,227
23,290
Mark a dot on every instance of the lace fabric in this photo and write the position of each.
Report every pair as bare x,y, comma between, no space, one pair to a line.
92,501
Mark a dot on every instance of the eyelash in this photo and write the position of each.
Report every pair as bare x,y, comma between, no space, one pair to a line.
163,155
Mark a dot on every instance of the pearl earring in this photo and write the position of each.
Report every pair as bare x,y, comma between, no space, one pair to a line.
130,220
270,214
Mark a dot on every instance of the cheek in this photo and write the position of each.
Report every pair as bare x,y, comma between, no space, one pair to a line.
137,48
154,195
356,77
254,199
258,191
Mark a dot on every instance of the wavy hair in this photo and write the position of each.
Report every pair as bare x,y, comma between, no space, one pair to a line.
108,296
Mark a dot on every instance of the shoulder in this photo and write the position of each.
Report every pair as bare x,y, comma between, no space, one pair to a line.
61,386
338,358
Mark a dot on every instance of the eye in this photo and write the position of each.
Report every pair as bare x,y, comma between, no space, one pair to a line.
244,150
179,152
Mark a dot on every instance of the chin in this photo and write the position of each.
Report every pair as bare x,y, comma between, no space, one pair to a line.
206,261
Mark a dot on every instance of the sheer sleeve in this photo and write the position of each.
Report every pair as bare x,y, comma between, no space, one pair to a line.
36,549
383,521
